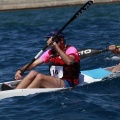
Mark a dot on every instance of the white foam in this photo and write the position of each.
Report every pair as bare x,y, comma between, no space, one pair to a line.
114,58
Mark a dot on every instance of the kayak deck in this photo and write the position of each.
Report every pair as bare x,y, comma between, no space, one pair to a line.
84,79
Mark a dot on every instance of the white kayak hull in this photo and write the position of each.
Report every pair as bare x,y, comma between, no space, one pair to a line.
26,92
83,79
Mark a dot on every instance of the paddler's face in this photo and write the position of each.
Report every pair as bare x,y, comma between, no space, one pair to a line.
58,41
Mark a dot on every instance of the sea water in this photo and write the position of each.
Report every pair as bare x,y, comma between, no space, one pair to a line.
22,36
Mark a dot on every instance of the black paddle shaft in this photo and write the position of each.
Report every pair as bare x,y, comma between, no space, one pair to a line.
90,52
79,12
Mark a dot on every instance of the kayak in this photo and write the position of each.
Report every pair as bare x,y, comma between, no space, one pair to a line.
85,77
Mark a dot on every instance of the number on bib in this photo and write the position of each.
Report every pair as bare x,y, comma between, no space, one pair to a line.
56,71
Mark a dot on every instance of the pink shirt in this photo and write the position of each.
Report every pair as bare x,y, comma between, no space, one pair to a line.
70,51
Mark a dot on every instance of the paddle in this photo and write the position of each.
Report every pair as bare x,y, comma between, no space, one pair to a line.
90,52
79,12
85,53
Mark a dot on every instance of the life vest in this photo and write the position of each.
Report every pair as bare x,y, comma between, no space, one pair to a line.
60,69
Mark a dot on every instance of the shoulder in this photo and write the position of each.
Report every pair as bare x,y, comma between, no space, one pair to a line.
45,56
74,52
48,52
72,49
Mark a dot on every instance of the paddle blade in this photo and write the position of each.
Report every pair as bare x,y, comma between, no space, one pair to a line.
90,52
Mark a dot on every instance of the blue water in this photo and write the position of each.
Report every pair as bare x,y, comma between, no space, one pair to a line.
22,37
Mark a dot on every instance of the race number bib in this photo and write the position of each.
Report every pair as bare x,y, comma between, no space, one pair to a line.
56,71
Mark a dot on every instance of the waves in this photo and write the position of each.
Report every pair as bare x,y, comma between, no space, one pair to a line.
97,100
22,36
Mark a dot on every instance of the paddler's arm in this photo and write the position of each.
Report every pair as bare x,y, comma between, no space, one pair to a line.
68,59
33,65
115,49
